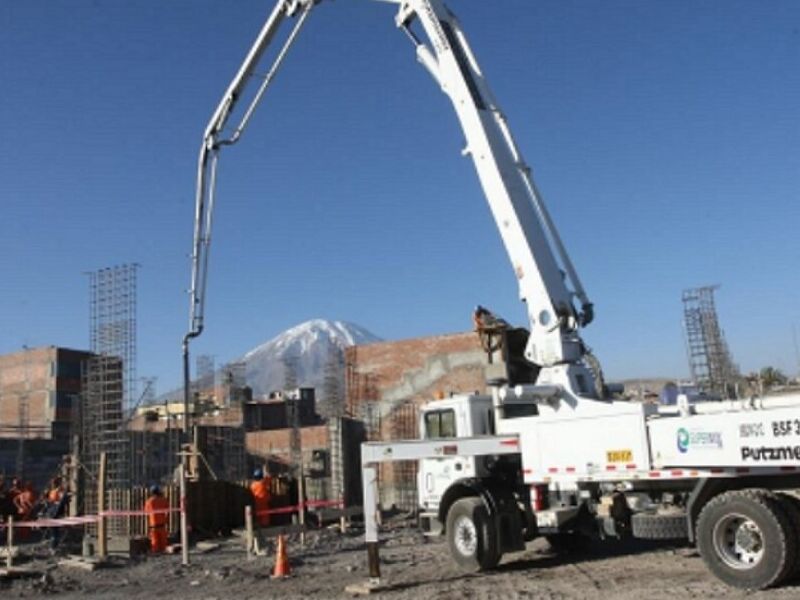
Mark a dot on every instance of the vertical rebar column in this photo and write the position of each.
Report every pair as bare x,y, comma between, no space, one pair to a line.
336,457
110,380
710,361
403,426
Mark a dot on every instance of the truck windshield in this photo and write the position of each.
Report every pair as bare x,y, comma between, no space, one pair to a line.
440,424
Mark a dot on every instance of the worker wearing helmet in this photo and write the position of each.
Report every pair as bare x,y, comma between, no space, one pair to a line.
156,508
261,488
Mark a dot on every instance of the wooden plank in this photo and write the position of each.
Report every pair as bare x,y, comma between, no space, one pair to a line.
248,522
20,572
367,588
79,562
10,542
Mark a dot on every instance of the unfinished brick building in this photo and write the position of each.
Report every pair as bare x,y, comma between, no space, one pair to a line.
387,381
38,389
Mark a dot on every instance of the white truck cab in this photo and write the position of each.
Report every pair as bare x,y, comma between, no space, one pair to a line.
455,417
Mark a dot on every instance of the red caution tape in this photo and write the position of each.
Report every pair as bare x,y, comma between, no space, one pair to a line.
297,507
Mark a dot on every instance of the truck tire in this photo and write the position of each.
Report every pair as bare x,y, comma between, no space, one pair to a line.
472,535
746,539
791,505
659,527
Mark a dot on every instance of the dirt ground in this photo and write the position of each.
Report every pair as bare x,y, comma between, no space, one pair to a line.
415,567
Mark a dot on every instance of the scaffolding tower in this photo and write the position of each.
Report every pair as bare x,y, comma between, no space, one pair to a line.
234,380
292,404
109,380
205,369
710,361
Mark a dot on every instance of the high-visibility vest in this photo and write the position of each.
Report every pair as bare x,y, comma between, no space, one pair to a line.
153,503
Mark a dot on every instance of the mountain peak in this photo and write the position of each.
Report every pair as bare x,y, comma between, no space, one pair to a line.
301,337
309,345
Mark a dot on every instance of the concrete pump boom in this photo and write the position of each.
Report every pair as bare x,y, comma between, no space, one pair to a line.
538,257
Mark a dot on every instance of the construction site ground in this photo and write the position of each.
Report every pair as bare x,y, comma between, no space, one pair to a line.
413,567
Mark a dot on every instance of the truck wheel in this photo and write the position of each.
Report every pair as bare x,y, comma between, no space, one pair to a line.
659,527
472,535
746,539
791,505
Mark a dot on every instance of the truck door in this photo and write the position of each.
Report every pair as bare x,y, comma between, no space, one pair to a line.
437,474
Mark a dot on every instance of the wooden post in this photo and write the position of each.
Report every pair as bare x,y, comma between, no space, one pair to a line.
184,527
73,478
373,561
102,538
301,501
10,542
248,524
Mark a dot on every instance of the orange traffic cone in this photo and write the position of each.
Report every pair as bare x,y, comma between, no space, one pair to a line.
282,568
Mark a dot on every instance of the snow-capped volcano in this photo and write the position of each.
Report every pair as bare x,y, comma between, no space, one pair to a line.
307,348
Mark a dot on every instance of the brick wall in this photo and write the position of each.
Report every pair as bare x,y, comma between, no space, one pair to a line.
275,442
418,370
49,378
387,381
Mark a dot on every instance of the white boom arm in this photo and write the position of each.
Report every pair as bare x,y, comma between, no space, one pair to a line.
538,257
537,254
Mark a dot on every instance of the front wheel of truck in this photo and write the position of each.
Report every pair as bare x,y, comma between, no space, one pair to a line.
472,535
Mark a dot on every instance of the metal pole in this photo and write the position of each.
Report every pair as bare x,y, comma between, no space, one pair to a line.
187,384
184,527
102,540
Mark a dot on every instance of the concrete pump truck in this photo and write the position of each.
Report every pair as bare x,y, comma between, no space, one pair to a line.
551,450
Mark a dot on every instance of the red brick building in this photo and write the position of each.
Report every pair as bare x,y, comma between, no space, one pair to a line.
37,389
387,381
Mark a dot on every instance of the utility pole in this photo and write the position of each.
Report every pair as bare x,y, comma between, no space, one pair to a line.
796,349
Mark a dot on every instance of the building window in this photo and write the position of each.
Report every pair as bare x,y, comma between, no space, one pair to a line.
440,424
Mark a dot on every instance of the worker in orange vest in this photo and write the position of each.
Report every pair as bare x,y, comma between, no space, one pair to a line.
54,497
157,520
25,501
54,491
261,488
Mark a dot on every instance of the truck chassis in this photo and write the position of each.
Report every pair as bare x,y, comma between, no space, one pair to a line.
712,490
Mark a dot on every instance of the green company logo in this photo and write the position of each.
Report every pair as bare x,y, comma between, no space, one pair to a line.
683,440
705,440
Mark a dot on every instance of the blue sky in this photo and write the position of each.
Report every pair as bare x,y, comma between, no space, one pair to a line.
665,137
